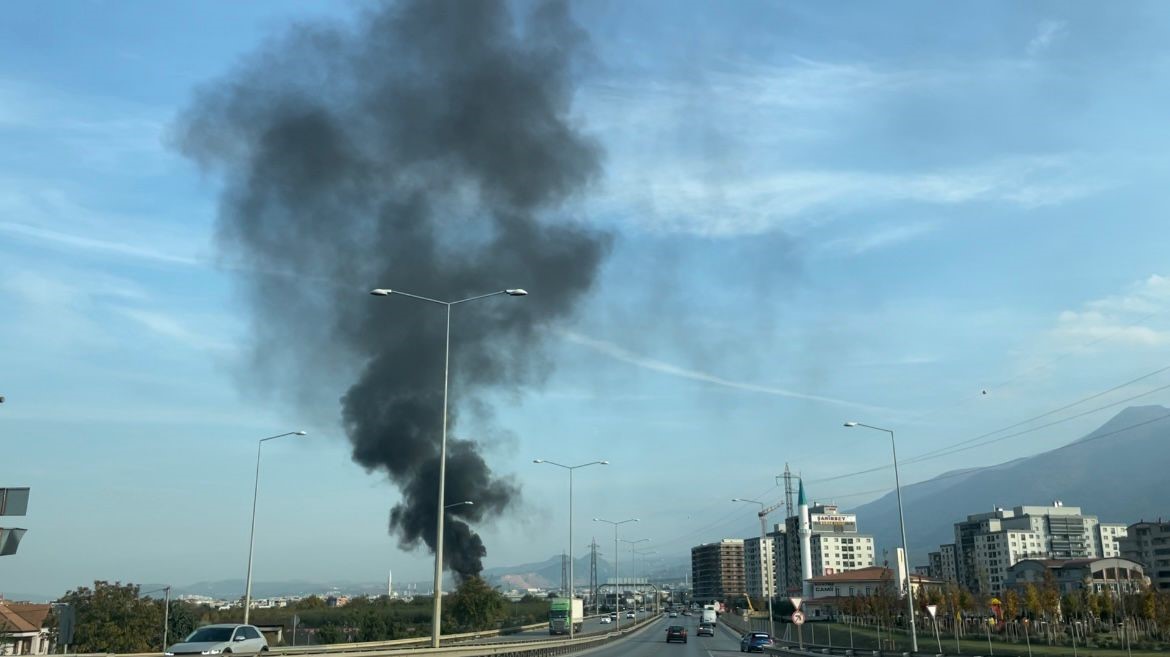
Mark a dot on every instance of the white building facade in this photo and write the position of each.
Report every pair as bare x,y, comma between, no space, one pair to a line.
758,565
1107,536
835,546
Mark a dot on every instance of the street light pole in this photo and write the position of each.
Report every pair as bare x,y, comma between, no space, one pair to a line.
644,554
634,564
902,522
617,604
571,468
437,607
252,538
769,578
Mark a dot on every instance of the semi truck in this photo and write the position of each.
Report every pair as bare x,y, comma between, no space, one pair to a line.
563,611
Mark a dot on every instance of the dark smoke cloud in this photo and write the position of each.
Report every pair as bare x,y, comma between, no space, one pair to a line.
419,148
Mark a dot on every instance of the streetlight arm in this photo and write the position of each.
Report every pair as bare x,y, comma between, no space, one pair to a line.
282,435
868,426
482,296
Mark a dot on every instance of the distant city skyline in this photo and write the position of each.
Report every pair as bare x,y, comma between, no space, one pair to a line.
818,215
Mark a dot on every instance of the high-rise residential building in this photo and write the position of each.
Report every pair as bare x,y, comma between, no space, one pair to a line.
1106,537
835,545
759,567
942,564
1148,543
717,570
987,544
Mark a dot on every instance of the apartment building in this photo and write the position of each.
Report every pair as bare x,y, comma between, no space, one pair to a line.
943,566
987,544
835,545
759,567
717,571
1107,537
1148,543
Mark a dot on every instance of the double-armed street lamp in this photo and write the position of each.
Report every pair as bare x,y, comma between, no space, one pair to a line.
902,522
617,604
252,538
437,608
570,468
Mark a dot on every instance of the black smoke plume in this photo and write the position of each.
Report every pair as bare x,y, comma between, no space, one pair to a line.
421,147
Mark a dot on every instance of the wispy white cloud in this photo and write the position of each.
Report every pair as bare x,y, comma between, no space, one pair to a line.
1128,318
82,243
881,238
624,355
682,199
172,328
1046,34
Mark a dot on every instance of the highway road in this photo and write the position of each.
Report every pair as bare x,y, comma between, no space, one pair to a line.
651,642
590,626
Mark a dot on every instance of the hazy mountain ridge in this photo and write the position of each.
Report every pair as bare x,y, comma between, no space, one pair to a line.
1116,472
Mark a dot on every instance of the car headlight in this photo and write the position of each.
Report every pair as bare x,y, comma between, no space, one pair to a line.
213,651
169,654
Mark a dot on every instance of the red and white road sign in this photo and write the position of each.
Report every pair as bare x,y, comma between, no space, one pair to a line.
797,618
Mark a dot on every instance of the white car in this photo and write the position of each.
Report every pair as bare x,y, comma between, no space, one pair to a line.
226,639
607,619
629,614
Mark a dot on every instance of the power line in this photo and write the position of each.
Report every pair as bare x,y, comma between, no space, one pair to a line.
958,447
968,471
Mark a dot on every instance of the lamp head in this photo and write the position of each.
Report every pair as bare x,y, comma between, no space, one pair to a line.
516,292
299,433
599,462
538,460
381,292
850,424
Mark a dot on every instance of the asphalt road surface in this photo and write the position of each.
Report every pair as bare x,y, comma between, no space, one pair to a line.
589,626
651,642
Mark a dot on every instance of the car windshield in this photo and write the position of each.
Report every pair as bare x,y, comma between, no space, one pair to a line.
209,634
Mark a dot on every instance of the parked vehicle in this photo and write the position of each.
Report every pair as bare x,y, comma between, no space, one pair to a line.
224,639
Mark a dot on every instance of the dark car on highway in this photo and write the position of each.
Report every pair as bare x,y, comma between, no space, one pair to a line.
676,633
754,642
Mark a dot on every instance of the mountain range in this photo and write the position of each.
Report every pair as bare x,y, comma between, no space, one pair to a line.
1117,473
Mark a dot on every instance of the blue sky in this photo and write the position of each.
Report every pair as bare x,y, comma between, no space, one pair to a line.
822,211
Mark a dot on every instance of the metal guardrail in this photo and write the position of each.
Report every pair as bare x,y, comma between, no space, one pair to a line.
465,645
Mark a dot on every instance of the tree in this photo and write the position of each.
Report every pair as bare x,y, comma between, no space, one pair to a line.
475,605
112,618
1011,608
311,602
1032,603
181,621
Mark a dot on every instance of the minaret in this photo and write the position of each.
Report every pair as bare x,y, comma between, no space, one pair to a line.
390,584
805,544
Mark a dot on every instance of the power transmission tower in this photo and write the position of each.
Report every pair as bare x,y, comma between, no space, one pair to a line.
593,574
787,491
565,575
